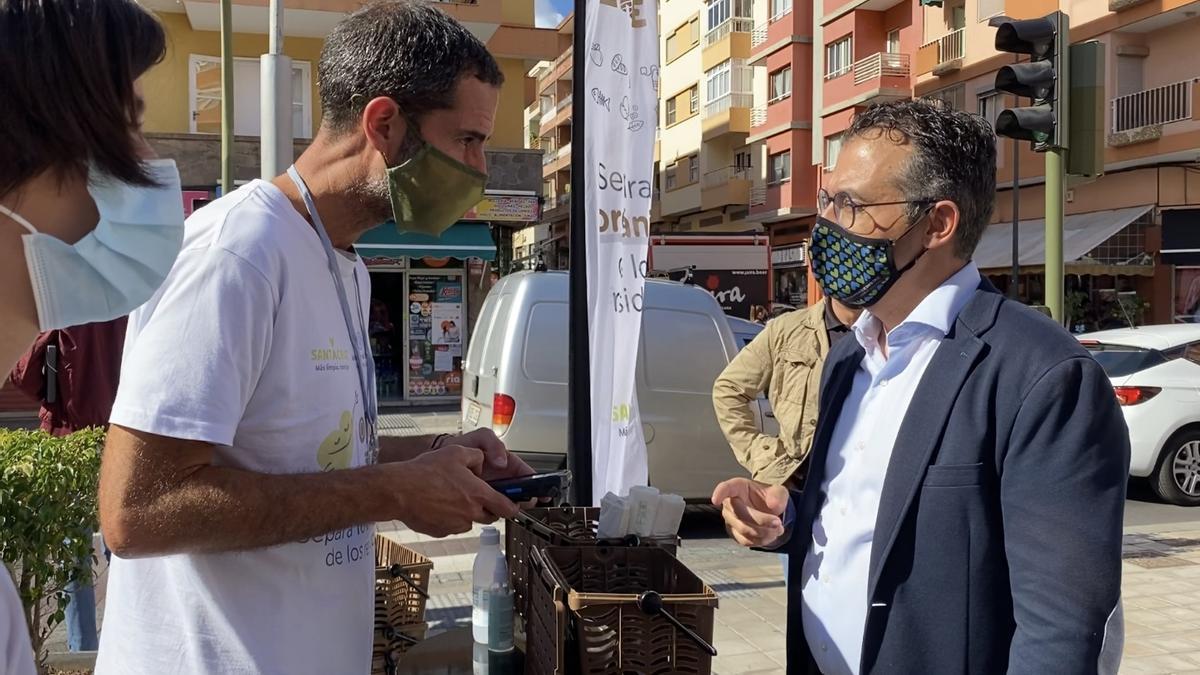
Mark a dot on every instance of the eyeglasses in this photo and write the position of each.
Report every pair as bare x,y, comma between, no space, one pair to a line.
845,208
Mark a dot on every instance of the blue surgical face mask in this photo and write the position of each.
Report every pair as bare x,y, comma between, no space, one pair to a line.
117,266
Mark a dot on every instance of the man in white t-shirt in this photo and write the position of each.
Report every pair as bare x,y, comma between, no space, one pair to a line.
240,483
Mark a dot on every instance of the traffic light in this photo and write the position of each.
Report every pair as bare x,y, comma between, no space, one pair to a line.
1043,78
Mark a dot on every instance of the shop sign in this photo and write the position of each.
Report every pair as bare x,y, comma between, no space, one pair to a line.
735,290
505,208
790,256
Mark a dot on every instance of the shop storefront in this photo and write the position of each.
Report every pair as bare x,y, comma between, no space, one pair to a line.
421,295
789,275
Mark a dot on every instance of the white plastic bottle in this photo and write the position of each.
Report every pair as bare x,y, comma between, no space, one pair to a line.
491,596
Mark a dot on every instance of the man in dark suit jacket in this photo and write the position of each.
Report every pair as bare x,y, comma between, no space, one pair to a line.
963,511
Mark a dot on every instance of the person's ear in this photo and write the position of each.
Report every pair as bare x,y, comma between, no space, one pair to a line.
384,126
942,224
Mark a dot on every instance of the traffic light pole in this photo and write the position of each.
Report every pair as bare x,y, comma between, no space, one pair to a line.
1055,205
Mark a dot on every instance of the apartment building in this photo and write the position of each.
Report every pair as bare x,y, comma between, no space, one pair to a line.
706,93
1132,233
549,132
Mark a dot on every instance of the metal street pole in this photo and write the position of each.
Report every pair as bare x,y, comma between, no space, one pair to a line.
226,96
1016,219
579,380
275,95
1055,205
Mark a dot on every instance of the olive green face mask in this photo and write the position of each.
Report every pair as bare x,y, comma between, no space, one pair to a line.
431,191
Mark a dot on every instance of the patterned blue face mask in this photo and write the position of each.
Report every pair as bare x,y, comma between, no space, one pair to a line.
853,269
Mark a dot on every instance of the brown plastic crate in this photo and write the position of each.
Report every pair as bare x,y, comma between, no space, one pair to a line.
390,646
401,585
401,582
585,618
561,526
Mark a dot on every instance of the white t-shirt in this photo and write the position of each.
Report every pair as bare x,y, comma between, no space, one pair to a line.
16,654
245,346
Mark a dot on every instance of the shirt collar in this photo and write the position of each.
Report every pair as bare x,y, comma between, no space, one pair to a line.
938,311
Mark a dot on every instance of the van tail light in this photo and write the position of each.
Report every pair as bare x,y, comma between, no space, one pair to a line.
1135,395
503,410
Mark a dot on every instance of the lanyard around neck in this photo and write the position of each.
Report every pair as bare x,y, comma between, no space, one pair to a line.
361,348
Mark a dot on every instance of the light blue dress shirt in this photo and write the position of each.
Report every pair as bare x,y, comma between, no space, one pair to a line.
836,568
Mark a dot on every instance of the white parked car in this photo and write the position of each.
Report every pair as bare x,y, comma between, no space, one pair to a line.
1155,372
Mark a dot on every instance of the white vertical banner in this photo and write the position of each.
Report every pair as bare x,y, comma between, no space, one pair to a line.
621,76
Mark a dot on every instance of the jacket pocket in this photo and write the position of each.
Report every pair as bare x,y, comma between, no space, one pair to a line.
954,475
792,369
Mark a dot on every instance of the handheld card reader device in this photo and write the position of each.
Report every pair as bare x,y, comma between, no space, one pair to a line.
539,486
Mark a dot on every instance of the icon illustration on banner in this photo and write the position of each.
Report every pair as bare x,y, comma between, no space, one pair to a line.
618,65
652,73
601,99
596,56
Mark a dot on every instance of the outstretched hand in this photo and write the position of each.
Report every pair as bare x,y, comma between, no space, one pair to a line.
753,511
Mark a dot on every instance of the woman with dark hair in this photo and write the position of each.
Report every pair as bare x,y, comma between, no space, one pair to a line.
90,223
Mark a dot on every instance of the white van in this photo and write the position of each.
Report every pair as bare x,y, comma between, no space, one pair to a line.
515,378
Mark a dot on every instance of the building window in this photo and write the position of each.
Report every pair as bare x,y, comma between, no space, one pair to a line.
781,84
672,176
955,97
893,41
728,84
693,169
694,100
683,39
205,84
742,161
990,104
837,58
717,12
716,81
670,111
833,148
779,8
781,167
989,8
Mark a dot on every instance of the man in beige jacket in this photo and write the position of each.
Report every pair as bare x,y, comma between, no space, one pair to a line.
785,362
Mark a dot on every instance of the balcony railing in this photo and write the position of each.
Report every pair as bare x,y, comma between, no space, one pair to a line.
759,35
564,150
728,101
1161,105
555,201
949,47
881,64
758,116
549,154
563,103
758,195
736,24
725,174
563,57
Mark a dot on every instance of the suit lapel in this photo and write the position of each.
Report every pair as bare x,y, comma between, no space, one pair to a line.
922,428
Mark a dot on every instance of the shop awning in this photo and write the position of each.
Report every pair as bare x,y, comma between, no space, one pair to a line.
1082,233
462,240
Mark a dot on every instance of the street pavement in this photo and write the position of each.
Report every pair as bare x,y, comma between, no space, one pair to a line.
1161,580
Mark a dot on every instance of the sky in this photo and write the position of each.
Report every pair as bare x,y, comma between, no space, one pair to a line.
550,13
